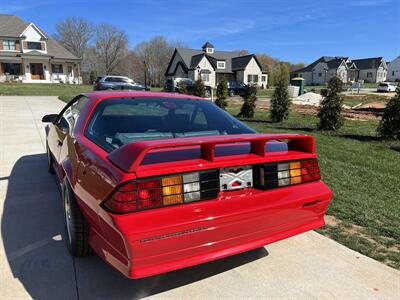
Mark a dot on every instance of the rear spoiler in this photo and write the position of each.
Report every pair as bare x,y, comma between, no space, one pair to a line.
130,156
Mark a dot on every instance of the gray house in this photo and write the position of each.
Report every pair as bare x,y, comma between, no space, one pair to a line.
371,69
212,66
28,54
326,67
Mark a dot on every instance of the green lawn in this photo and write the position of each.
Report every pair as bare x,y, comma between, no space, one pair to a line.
43,89
363,173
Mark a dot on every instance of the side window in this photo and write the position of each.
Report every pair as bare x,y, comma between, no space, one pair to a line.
71,114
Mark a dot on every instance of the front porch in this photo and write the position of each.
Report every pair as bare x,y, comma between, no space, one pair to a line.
35,70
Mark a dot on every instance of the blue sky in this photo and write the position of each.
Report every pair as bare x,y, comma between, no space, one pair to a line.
293,30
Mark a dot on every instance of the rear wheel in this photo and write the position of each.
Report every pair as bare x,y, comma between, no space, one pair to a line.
50,160
76,226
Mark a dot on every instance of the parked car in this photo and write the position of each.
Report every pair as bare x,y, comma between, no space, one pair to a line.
157,182
176,85
236,88
117,83
386,87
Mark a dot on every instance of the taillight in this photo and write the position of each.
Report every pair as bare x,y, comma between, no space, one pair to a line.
278,174
163,191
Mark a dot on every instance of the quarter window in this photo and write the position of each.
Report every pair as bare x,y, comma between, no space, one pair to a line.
9,45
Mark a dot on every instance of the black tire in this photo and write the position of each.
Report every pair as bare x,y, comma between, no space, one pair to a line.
76,226
231,93
50,160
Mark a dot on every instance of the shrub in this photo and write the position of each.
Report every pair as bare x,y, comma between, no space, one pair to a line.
199,89
249,105
330,113
182,88
222,94
389,126
280,102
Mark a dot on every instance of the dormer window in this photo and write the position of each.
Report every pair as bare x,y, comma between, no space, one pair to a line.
208,47
210,50
9,45
34,45
220,65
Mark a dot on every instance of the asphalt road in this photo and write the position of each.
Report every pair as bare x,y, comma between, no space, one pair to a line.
34,262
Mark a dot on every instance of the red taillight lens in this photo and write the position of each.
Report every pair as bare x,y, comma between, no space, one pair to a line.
163,191
272,175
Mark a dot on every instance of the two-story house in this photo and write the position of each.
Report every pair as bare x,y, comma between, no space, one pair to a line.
28,54
212,66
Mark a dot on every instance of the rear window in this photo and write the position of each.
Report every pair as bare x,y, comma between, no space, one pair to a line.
116,122
383,84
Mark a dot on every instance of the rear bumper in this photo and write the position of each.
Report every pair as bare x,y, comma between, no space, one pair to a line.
167,239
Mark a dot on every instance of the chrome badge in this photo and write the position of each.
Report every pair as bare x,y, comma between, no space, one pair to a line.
235,178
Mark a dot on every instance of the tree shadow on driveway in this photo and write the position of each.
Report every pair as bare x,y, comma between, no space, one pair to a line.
32,229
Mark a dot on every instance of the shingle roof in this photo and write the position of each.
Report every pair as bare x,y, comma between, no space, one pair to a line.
368,63
332,62
207,45
239,63
192,57
13,26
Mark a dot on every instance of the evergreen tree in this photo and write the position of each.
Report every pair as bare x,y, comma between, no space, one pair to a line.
222,94
199,89
249,105
280,102
330,113
389,126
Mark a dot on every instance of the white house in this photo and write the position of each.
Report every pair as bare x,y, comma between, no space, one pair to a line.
393,72
213,66
28,54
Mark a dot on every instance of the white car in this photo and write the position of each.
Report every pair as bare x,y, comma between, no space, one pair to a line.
386,87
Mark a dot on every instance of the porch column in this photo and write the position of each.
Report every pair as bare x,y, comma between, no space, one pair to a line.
1,68
79,73
22,71
50,70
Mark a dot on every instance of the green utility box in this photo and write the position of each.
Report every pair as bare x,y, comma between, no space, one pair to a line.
298,81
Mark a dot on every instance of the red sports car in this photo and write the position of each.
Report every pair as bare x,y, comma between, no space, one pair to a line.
154,182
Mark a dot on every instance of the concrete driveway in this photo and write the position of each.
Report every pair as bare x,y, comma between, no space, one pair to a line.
34,262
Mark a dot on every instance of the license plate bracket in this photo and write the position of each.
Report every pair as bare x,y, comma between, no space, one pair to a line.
236,178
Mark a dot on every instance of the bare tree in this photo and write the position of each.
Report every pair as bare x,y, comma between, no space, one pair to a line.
111,47
154,56
74,33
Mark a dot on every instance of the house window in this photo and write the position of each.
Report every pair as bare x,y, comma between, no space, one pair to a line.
9,45
392,73
369,74
210,50
263,78
205,77
57,68
252,78
11,69
221,65
319,74
35,45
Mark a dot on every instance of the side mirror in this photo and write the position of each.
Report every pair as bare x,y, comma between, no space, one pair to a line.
49,118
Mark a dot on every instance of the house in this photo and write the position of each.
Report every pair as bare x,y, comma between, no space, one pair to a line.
212,66
326,67
393,72
28,54
371,69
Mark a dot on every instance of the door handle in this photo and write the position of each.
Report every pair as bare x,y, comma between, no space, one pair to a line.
59,143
